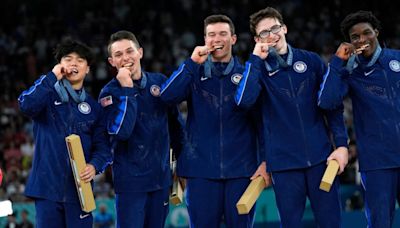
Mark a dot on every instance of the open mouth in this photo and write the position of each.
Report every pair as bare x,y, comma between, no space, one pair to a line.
218,47
128,65
74,71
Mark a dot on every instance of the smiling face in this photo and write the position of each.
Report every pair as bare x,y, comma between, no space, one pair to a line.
77,65
124,53
218,36
362,34
278,39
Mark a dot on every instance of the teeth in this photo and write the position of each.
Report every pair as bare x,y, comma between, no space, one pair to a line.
75,71
362,48
128,65
218,47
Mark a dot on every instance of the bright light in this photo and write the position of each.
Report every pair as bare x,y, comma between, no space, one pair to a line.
5,208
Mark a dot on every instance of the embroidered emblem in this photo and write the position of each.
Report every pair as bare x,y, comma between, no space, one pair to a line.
84,108
106,101
236,78
299,67
394,65
155,90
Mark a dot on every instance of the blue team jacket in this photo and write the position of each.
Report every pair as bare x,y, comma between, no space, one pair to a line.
51,174
222,138
139,123
295,132
375,94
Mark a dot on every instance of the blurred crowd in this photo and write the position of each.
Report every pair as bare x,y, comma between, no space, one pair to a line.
168,31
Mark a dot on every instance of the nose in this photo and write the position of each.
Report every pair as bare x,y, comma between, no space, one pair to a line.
126,56
362,39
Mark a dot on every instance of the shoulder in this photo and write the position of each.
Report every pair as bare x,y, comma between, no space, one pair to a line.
238,64
156,78
110,88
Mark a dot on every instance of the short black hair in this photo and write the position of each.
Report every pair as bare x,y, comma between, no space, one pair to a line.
121,35
69,45
219,18
358,17
268,12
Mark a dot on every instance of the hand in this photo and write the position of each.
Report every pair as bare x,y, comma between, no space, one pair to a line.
341,155
60,71
124,77
200,54
261,50
182,181
345,50
262,171
88,173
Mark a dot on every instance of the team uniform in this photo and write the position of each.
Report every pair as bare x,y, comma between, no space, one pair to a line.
297,141
139,124
221,150
51,182
374,87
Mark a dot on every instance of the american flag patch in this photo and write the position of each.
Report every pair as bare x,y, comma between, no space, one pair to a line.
106,101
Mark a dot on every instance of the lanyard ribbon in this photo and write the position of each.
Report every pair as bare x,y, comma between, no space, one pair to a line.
63,87
209,67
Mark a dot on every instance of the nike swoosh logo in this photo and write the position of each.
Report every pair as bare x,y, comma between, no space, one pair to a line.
57,102
273,72
369,72
83,216
165,203
203,78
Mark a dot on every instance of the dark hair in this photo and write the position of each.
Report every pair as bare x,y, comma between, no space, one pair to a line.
121,35
358,17
69,45
219,18
268,12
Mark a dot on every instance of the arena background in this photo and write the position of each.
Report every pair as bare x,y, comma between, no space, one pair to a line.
168,31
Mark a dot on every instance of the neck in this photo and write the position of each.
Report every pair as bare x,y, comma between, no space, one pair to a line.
224,59
77,85
137,75
283,50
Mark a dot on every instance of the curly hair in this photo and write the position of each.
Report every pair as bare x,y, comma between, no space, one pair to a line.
268,12
358,17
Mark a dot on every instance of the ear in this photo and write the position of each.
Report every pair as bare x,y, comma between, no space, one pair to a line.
376,32
140,50
257,39
285,30
88,70
110,60
233,39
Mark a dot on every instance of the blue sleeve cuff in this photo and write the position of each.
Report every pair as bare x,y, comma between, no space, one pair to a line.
341,142
256,61
51,77
337,63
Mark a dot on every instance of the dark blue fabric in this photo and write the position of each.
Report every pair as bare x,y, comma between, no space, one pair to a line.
210,200
222,138
51,174
292,187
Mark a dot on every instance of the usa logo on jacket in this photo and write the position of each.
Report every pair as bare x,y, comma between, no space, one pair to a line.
236,78
155,90
394,65
299,67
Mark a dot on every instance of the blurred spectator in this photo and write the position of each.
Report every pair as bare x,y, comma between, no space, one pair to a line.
11,221
25,223
103,219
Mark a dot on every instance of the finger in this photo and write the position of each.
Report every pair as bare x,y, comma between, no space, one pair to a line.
254,176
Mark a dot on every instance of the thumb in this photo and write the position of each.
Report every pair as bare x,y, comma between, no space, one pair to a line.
254,176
